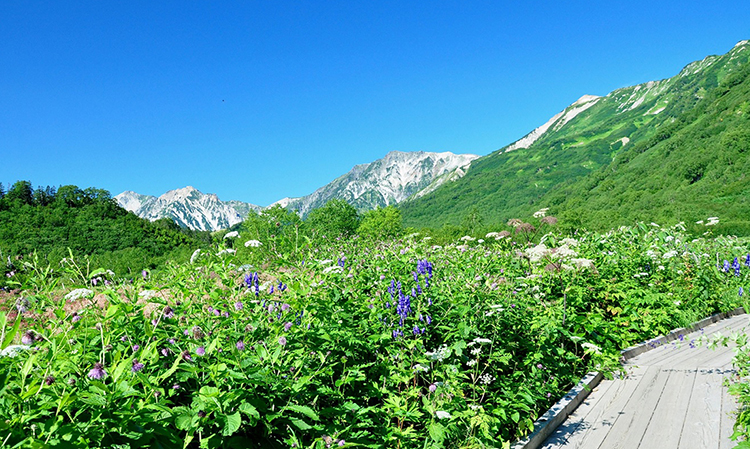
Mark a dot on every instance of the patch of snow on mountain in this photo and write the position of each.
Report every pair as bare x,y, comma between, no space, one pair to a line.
132,201
534,135
579,106
563,117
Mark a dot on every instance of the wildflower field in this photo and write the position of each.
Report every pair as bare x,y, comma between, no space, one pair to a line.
355,343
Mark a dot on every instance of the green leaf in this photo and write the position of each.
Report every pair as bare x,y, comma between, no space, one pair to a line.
300,424
112,311
232,423
515,416
305,410
437,432
171,370
12,334
249,410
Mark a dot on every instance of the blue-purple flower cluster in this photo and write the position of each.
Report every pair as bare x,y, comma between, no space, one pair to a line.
735,266
252,281
403,301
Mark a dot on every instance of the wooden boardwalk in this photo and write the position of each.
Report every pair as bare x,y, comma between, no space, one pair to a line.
672,397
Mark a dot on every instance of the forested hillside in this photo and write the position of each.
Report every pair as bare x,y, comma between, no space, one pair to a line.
50,220
668,151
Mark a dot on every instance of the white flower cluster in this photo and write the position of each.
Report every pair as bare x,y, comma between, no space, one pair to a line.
564,252
467,238
13,350
712,221
253,244
421,368
486,378
226,251
569,242
195,255
590,347
538,252
541,213
79,293
231,235
439,354
440,414
333,269
670,254
480,341
147,294
583,263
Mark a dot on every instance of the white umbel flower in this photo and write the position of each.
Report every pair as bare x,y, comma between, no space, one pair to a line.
440,414
79,293
231,235
253,244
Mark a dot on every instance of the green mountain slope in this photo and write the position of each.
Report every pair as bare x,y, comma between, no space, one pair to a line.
666,150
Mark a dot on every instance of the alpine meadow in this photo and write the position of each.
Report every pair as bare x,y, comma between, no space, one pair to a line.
424,300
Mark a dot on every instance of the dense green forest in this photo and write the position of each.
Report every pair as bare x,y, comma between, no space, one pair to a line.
53,222
666,151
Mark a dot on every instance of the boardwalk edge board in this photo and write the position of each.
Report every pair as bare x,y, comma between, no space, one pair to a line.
640,348
558,413
552,418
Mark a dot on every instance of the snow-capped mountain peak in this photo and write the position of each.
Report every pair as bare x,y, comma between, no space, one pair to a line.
188,207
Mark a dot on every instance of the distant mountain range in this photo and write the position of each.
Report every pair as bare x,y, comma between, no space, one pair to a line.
669,150
188,207
390,180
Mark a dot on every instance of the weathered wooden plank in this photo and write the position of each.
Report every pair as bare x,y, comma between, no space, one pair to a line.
668,351
663,430
674,398
633,419
728,417
575,422
605,415
702,421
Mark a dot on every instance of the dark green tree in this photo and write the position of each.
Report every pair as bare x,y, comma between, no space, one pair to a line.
336,218
381,223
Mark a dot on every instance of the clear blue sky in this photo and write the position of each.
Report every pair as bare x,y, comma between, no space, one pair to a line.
256,101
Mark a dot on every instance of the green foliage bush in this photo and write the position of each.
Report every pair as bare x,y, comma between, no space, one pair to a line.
352,342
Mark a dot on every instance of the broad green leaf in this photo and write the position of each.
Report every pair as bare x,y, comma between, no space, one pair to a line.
232,423
437,432
305,410
249,410
300,424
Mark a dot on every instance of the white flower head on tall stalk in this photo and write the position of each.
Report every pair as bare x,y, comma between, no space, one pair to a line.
253,244
79,293
538,252
231,235
541,213
195,255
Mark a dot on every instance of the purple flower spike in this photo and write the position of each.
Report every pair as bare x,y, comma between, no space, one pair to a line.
433,388
282,340
238,305
97,373
240,345
201,351
288,326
